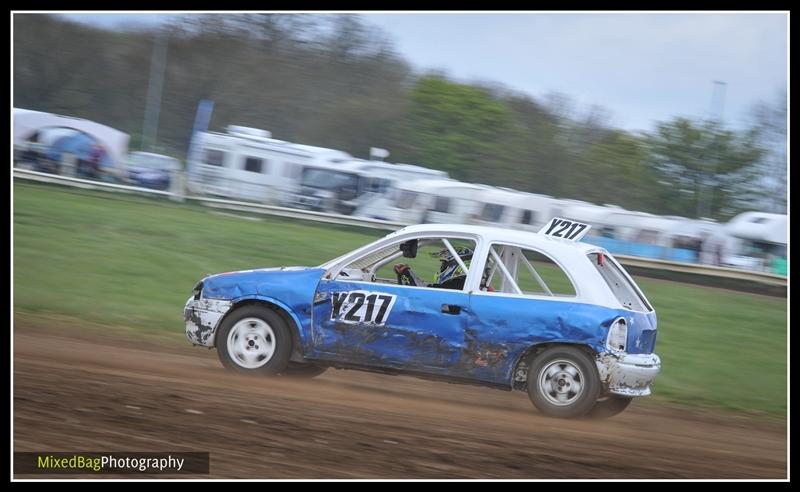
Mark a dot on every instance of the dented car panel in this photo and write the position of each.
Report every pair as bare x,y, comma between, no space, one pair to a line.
415,334
288,288
202,317
510,326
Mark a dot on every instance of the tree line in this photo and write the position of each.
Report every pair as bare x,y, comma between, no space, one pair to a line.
335,81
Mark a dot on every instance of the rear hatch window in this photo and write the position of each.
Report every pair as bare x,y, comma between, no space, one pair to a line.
623,288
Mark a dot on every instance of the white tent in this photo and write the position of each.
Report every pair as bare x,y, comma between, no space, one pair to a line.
27,123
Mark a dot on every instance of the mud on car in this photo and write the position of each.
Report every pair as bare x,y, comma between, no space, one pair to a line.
537,312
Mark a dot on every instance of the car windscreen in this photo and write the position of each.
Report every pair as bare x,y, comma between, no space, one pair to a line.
624,290
329,179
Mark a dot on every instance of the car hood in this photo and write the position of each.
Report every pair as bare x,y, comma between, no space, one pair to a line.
288,284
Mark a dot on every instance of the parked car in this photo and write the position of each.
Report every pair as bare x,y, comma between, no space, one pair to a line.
536,312
150,170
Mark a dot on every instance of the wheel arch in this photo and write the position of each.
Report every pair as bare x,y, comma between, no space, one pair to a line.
286,313
522,362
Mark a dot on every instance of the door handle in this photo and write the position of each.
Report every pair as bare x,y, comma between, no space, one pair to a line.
451,309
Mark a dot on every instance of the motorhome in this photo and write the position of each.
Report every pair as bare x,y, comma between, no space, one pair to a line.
433,201
707,238
591,214
761,241
248,164
345,186
512,208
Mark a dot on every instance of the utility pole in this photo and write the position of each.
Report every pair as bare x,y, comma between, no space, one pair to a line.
153,104
706,197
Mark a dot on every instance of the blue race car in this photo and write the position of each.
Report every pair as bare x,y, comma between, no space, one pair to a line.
536,312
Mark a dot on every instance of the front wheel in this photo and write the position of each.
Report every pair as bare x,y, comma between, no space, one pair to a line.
563,382
255,340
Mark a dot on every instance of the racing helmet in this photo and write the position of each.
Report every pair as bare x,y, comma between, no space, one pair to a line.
448,266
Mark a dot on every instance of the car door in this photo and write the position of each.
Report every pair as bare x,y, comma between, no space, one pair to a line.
414,328
530,300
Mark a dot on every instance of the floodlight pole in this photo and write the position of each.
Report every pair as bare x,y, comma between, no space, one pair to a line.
717,105
153,104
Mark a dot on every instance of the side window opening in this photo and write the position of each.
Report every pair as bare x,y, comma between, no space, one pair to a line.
492,212
527,217
437,263
515,270
441,204
254,165
214,157
623,290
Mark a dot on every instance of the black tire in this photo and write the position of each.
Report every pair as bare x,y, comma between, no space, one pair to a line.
609,407
550,375
303,370
275,363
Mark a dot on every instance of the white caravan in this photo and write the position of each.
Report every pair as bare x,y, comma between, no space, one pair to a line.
760,238
248,164
638,227
346,186
433,201
591,214
517,209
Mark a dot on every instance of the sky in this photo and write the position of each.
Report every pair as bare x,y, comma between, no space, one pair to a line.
641,67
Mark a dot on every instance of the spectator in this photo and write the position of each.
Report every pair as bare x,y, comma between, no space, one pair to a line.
95,158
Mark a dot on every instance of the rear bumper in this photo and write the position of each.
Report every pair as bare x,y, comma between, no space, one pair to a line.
628,374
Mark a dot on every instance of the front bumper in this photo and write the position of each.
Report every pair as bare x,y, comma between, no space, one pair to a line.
202,317
628,374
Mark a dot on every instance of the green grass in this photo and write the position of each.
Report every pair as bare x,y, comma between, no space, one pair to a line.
131,262
720,347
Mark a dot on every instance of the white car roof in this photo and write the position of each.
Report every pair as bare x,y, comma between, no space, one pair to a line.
499,234
571,256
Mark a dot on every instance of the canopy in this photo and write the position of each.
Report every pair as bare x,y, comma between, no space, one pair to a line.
27,123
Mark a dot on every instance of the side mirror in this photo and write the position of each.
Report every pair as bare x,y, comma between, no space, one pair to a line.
409,248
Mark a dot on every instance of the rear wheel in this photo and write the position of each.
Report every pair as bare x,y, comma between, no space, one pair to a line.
254,339
563,382
609,407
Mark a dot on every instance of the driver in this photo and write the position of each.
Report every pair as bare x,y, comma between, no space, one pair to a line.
449,276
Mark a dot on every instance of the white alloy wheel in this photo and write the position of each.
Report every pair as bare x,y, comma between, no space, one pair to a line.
251,343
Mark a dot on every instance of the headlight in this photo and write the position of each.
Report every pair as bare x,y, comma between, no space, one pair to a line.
198,289
617,335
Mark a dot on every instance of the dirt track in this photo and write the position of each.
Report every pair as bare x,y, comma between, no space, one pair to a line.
73,394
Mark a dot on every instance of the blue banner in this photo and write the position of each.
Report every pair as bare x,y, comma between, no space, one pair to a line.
201,121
